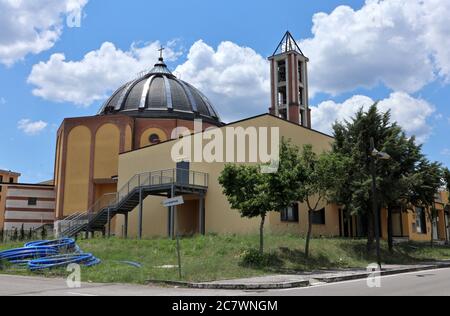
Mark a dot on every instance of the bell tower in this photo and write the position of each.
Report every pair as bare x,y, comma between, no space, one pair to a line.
289,82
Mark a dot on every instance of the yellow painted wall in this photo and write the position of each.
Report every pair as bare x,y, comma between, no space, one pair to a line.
220,218
107,143
331,227
145,141
77,170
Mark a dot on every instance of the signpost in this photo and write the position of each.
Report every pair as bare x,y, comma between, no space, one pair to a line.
178,200
173,201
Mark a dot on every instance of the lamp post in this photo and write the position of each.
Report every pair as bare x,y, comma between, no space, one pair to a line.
374,156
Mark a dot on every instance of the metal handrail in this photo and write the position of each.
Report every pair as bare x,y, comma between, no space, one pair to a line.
152,178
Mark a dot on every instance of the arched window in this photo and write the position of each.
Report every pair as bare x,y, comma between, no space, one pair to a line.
154,139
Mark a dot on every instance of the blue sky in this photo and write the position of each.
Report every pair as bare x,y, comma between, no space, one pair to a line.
356,57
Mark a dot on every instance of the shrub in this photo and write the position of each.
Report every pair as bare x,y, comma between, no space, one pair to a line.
253,258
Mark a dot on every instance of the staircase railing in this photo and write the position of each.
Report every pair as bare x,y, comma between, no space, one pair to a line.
146,179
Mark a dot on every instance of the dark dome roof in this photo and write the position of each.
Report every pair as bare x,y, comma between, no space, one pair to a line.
159,94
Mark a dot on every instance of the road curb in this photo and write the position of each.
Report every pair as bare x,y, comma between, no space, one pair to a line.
295,284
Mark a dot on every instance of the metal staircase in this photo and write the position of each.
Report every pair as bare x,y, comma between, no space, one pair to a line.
168,183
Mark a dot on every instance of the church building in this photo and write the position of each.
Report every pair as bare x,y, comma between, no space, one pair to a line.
116,172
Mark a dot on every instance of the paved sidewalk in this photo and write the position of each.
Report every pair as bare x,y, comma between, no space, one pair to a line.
285,281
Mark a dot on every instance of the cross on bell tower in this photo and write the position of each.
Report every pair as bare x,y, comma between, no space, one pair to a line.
289,82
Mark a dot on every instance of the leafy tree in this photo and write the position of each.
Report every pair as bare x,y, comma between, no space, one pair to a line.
447,181
255,194
393,180
322,175
426,182
353,141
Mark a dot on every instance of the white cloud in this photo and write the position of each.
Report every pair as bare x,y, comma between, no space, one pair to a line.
445,152
235,78
31,27
410,113
95,76
30,127
403,44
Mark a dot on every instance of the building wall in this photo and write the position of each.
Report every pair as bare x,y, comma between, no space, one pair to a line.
220,218
106,152
5,176
20,212
87,152
76,190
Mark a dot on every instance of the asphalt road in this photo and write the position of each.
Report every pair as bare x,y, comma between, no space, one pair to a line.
427,283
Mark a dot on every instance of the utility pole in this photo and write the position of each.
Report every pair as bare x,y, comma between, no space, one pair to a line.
375,208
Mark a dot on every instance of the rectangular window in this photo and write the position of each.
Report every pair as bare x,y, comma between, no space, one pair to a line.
32,201
11,180
290,214
300,71
282,96
1,180
301,96
421,221
319,217
281,71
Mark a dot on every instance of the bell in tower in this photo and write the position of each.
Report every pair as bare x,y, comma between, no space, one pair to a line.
289,82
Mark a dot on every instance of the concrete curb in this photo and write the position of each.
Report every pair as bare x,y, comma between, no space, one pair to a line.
295,284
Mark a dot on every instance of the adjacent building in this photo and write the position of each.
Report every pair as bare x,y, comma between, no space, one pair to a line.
6,177
30,206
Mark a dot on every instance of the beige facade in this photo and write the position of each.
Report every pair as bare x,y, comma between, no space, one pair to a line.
220,218
29,206
6,177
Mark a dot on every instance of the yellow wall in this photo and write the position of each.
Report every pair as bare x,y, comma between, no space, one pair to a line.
331,227
77,170
220,218
145,141
107,142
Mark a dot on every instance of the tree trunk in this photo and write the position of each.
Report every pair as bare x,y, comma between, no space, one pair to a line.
261,234
308,235
390,230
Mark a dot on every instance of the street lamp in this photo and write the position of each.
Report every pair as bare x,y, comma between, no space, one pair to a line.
374,156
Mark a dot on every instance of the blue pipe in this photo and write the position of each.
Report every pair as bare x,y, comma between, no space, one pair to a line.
86,259
47,254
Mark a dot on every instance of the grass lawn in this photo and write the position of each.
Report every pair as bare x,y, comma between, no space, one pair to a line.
220,257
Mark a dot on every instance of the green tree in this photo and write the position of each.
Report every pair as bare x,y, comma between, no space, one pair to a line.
447,181
396,178
426,182
322,175
255,194
352,140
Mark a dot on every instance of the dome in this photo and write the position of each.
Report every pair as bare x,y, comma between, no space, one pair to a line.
159,94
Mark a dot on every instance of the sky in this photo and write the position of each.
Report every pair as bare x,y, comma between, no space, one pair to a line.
63,58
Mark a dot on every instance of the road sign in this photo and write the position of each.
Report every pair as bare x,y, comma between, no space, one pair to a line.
173,202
